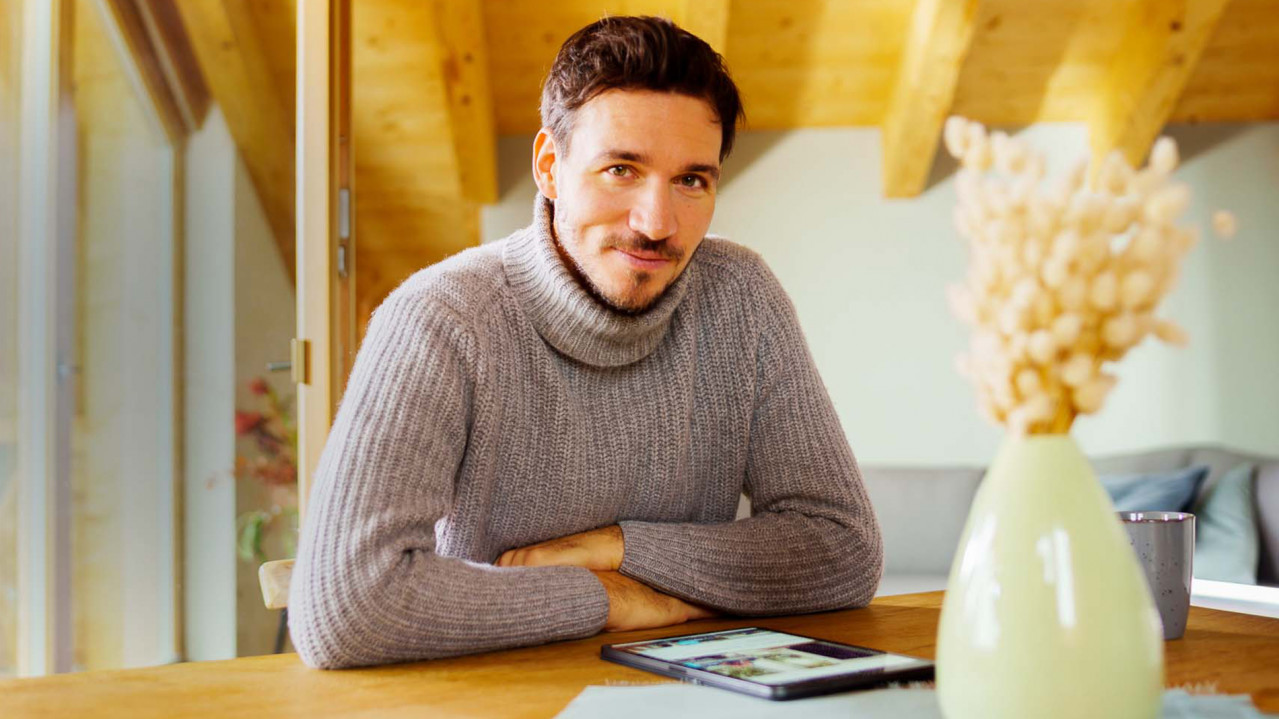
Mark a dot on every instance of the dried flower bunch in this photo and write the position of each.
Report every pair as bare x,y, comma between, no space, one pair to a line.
1064,276
274,437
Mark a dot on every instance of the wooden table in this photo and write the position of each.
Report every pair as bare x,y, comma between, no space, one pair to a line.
1238,653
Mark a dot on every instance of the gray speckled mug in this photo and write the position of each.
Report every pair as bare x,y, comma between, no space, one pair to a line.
1165,546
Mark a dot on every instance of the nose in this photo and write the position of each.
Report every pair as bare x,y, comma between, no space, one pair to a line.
653,214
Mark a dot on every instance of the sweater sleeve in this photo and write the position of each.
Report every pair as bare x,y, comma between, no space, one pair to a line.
368,586
813,541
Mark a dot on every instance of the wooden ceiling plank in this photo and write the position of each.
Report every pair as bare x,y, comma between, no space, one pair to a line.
1237,76
459,27
235,64
707,19
936,45
1162,44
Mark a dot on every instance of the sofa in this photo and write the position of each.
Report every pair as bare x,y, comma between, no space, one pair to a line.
922,510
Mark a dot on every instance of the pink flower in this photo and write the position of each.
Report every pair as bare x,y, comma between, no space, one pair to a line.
259,387
282,472
246,422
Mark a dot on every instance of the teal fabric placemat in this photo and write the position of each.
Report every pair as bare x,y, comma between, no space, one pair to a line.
680,699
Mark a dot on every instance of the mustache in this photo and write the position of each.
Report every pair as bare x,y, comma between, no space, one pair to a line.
643,245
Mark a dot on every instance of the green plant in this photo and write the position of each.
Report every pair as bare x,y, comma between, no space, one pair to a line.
271,433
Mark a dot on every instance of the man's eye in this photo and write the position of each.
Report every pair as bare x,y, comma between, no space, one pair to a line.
618,170
692,181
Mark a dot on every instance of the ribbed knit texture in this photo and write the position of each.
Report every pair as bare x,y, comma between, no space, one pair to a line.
495,404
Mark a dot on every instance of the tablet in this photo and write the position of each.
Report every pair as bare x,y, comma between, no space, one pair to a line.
767,663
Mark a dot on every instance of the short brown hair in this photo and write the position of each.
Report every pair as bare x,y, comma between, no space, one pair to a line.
637,53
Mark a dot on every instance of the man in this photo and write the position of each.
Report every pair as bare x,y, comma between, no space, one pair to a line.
547,436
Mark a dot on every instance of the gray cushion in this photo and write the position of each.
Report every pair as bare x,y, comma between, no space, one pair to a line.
921,513
1266,494
1226,537
1157,460
1155,491
1218,460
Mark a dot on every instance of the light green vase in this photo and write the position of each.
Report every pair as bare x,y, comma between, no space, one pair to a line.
1047,613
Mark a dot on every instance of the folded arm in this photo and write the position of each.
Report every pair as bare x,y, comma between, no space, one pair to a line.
368,587
812,542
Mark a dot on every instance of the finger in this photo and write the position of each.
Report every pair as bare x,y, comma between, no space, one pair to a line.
538,557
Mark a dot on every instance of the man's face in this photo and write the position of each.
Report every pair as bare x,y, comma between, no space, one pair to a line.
635,193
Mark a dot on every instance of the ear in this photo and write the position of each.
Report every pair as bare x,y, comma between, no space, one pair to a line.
545,154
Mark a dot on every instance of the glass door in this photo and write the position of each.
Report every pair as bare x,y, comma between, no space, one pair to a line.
123,422
92,325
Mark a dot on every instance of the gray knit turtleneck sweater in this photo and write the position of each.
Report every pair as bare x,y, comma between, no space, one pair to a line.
494,404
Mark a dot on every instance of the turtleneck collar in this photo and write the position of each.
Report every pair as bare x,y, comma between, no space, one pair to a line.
566,315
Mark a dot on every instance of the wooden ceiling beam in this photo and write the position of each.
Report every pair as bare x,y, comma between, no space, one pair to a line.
233,57
180,101
1162,43
458,28
937,43
176,58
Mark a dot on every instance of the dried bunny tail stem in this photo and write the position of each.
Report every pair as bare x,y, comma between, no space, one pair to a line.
1224,224
1065,418
1113,174
955,136
1164,156
1064,276
1171,333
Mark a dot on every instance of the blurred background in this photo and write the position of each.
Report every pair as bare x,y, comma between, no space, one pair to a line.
150,257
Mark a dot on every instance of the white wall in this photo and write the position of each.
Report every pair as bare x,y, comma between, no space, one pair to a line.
209,502
868,278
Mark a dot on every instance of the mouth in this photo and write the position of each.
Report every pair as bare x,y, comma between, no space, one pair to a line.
644,260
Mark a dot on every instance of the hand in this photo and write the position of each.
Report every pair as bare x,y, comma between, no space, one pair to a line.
599,549
635,605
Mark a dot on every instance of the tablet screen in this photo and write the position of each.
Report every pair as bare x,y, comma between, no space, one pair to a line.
768,657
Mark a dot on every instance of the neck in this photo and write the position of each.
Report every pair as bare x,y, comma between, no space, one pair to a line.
567,313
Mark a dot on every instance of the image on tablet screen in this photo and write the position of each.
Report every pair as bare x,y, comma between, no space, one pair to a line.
768,657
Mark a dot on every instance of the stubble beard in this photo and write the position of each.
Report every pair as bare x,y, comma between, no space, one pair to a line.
636,279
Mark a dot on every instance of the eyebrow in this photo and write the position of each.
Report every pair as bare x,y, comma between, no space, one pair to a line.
641,158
